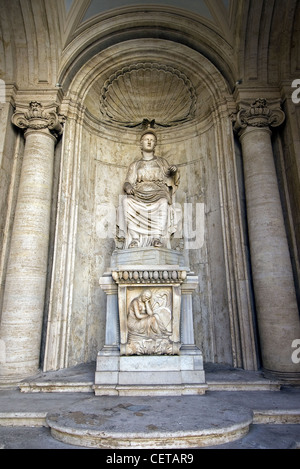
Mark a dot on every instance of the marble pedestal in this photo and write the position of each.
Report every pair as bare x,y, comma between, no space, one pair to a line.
149,375
171,365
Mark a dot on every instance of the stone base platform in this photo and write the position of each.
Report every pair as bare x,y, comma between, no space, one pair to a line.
81,379
149,375
163,422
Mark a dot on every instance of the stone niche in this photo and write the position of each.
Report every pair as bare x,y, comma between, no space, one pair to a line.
149,347
100,146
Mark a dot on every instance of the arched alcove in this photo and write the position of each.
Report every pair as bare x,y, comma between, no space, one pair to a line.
98,145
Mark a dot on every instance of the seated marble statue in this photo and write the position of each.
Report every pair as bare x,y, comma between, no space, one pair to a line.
148,215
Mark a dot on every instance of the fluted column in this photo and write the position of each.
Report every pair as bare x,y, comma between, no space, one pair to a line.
24,295
276,305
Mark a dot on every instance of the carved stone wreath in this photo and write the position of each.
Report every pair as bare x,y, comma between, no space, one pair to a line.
148,92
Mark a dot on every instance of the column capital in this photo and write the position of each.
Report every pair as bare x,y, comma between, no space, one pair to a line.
258,115
36,117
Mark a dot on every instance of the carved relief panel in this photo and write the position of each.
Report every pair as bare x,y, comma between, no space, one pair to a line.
149,320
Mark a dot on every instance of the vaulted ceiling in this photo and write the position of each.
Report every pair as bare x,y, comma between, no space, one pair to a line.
253,40
218,14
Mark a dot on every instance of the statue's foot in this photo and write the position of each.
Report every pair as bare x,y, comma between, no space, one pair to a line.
157,243
133,244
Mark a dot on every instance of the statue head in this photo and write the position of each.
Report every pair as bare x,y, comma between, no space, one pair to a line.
146,295
148,136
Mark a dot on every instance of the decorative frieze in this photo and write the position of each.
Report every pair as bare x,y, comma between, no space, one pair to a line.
144,276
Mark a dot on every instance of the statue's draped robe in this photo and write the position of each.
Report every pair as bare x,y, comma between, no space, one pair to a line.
148,214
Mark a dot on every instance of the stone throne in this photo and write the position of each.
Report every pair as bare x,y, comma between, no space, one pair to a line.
149,337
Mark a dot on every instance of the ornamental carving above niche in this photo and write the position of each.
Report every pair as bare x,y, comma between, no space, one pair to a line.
148,92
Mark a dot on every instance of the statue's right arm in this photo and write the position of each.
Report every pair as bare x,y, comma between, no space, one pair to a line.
137,312
148,308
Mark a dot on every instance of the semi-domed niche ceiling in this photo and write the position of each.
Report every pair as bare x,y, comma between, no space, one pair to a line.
147,92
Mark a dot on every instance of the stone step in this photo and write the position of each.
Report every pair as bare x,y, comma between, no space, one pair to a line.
161,423
23,419
81,378
243,385
260,436
208,424
88,386
56,386
39,419
215,419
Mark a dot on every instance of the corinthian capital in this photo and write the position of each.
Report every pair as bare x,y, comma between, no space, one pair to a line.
36,117
258,114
